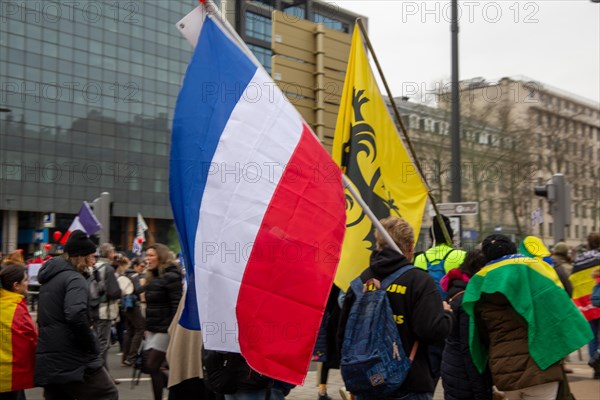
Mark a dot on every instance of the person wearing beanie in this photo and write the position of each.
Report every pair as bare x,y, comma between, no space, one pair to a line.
561,255
438,261
68,362
518,312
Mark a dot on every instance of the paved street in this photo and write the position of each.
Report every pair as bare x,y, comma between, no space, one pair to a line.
583,387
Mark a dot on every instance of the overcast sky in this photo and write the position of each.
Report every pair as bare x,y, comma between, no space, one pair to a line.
551,41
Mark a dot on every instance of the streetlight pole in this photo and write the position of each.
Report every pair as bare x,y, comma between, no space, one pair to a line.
455,116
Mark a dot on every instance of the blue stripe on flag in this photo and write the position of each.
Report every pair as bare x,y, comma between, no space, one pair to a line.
216,77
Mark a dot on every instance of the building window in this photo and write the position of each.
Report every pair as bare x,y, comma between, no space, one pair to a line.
414,122
296,11
330,23
263,55
258,27
263,3
422,124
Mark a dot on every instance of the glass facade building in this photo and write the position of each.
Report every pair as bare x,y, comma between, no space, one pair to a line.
87,93
88,90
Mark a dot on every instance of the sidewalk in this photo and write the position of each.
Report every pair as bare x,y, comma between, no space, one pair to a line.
581,382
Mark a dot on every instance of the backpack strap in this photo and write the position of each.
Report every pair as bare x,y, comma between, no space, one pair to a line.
391,278
455,296
357,287
447,254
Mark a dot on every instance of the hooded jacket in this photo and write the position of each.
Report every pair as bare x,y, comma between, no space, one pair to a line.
418,310
67,346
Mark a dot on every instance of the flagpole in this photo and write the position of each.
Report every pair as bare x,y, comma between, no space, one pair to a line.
403,129
348,185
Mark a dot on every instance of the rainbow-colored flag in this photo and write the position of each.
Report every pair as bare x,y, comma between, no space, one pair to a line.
555,326
18,340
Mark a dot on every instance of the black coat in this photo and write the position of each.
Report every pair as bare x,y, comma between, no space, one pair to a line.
162,299
460,378
419,308
67,346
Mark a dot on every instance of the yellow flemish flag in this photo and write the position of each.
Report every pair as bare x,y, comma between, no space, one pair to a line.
367,147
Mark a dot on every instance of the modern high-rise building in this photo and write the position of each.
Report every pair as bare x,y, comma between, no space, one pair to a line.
88,90
87,93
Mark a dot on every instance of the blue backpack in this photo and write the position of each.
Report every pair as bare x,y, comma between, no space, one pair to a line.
373,362
437,270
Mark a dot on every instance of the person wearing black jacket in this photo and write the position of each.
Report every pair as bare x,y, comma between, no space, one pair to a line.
460,378
163,291
68,362
418,308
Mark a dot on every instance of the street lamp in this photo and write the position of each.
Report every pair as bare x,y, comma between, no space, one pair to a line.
455,113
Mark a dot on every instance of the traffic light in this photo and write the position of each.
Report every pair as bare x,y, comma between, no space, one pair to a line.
558,193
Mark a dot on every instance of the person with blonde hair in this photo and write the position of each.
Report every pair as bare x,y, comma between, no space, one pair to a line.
163,290
422,318
14,257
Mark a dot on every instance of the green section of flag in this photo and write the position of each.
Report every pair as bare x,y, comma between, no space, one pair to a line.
555,326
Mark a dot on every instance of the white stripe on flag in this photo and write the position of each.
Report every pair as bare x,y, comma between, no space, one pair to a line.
258,141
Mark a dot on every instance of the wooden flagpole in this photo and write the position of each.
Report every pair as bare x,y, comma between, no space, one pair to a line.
404,132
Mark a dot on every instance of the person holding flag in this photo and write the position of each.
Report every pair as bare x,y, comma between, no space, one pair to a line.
518,312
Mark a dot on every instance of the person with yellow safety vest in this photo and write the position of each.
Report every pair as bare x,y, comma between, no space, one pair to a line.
438,260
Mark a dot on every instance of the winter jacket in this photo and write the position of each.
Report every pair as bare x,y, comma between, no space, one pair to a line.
326,349
418,310
162,298
67,345
504,332
460,378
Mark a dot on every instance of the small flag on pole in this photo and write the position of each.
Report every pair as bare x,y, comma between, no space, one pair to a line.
84,221
140,236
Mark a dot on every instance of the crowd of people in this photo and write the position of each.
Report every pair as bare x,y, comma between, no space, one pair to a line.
497,321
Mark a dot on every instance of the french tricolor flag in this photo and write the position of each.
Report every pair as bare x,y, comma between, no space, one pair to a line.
84,221
259,207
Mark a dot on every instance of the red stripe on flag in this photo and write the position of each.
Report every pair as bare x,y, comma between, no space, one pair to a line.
292,264
65,237
24,341
584,304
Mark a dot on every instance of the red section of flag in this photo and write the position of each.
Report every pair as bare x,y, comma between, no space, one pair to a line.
292,264
24,342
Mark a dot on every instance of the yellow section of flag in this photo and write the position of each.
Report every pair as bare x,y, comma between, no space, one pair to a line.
367,147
